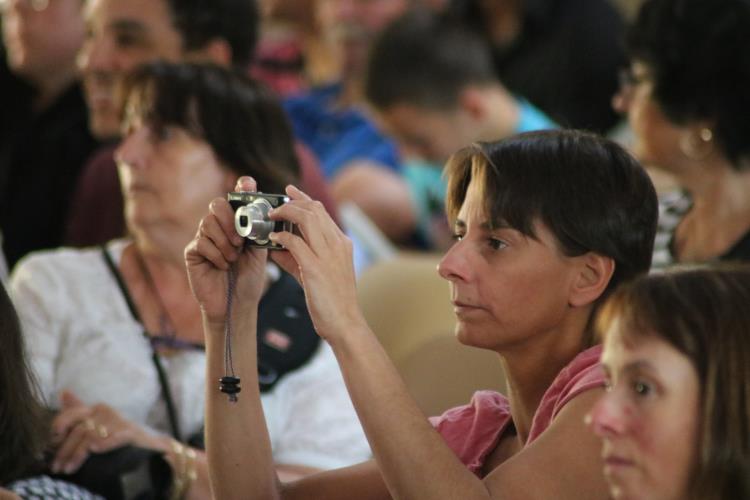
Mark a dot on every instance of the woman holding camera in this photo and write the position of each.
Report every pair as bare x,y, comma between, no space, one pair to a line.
686,99
674,421
116,337
547,224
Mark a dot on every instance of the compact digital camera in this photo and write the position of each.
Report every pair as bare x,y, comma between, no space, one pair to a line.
251,219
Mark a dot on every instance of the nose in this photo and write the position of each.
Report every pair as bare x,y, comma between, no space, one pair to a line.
455,265
608,417
622,98
96,55
134,149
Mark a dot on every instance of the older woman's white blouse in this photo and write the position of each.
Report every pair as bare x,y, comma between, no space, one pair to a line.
81,337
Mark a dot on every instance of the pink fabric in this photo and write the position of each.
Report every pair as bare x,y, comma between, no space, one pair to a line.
473,431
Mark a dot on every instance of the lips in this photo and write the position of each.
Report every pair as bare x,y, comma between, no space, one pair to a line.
463,308
613,461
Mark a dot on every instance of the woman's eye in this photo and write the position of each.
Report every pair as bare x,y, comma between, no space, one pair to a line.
641,388
161,134
497,244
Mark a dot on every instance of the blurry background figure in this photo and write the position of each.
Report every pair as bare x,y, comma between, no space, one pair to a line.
434,90
125,33
562,55
674,421
44,138
190,132
360,163
294,50
24,432
686,99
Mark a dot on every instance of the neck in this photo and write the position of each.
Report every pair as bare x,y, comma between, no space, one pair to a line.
163,241
351,92
503,114
718,187
530,368
720,215
51,86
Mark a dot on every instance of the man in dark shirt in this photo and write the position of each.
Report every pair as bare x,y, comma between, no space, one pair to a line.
44,138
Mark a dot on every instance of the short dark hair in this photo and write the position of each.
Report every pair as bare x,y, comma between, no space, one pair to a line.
425,60
699,53
703,313
238,117
23,422
590,193
200,21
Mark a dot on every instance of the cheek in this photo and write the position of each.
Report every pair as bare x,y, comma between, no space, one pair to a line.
668,446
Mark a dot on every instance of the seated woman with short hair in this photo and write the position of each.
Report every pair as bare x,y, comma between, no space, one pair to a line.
114,333
547,224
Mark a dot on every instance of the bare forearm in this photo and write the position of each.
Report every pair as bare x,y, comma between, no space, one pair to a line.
237,442
414,460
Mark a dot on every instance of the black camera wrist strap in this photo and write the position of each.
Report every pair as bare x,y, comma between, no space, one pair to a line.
229,383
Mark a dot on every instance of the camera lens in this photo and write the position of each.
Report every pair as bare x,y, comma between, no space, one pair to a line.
251,221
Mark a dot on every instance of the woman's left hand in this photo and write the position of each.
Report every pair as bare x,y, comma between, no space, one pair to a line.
320,257
79,430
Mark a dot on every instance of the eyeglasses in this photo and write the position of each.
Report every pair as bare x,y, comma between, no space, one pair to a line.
35,5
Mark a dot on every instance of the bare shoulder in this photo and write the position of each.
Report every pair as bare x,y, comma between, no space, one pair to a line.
564,462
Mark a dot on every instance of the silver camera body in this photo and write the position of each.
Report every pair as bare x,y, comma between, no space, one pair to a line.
251,219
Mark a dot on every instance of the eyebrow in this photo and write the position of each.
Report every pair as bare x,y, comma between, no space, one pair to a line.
635,366
128,25
485,226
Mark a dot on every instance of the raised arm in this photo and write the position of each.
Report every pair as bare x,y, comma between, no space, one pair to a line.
414,460
237,442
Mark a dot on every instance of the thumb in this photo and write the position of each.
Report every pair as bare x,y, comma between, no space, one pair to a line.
69,400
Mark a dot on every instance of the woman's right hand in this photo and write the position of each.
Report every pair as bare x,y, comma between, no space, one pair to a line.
215,248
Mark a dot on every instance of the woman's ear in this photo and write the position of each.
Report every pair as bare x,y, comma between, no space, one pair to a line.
593,277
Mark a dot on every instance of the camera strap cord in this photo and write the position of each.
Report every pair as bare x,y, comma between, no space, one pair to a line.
229,383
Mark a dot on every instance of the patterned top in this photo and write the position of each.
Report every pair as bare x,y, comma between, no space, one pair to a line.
46,488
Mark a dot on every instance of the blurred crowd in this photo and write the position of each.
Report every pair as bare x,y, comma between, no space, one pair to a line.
123,122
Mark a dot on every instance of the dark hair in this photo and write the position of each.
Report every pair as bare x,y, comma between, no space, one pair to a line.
239,118
590,193
23,424
699,54
704,313
425,60
200,21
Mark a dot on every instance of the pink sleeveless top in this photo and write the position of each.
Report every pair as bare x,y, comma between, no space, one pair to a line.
472,431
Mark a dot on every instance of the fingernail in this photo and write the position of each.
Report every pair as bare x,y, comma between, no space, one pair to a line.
70,468
272,236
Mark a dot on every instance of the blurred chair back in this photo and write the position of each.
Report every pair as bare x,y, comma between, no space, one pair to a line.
407,304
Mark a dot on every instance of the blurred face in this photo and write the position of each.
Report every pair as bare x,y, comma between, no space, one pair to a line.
356,23
427,134
656,138
42,37
168,175
648,419
507,289
122,34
